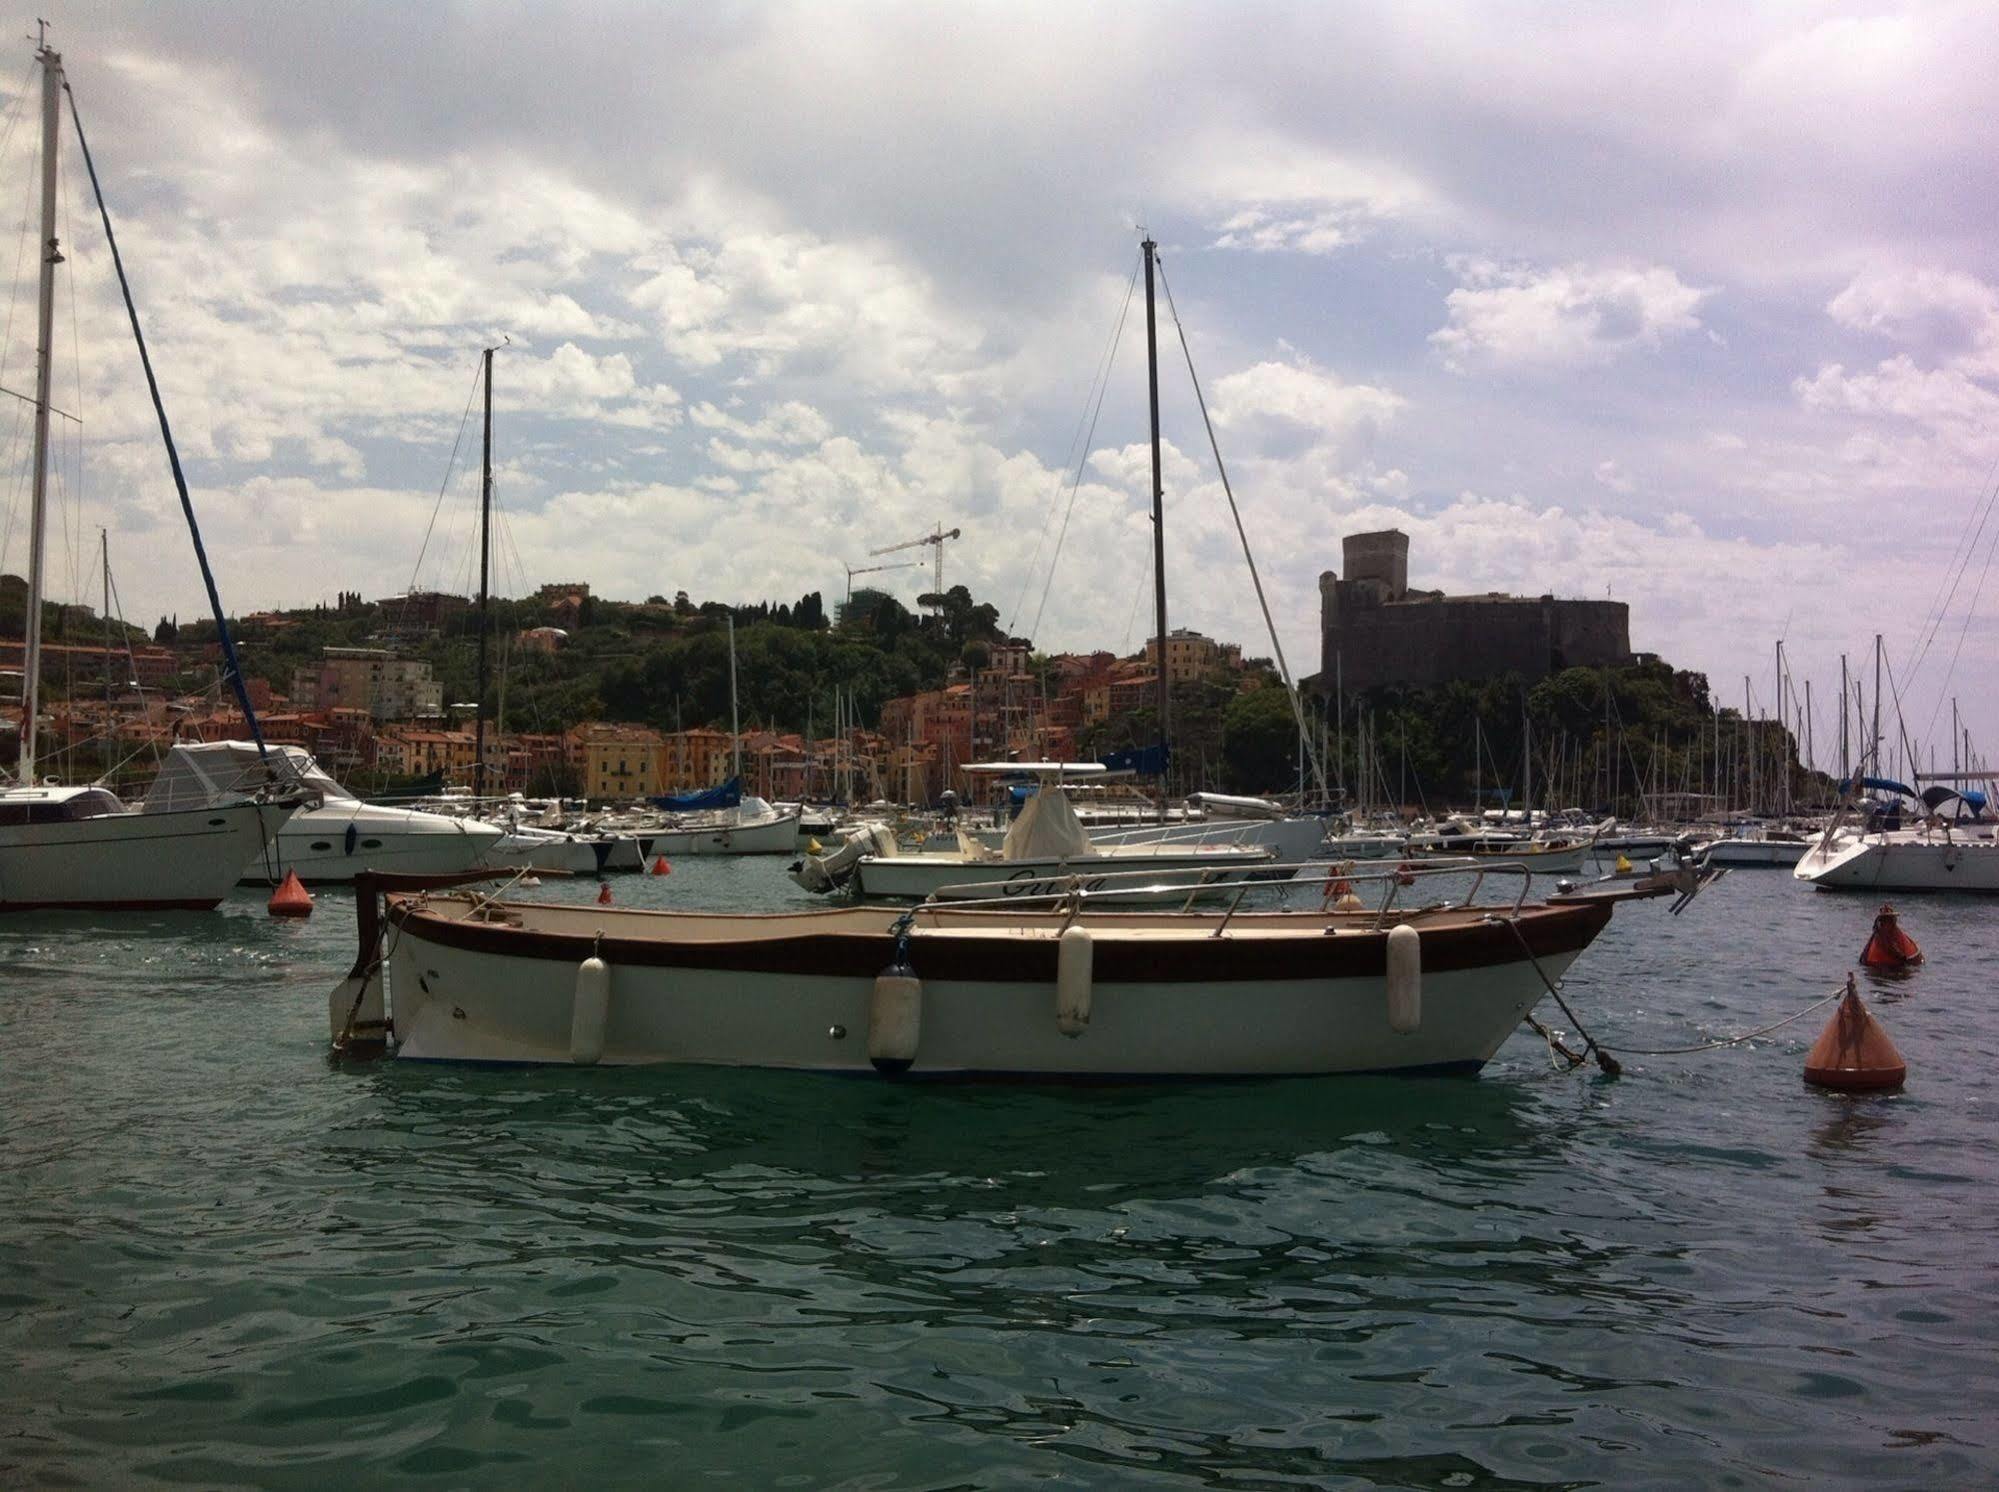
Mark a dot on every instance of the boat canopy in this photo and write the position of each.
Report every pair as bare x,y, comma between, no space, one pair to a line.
1047,829
1877,784
728,795
1934,798
198,773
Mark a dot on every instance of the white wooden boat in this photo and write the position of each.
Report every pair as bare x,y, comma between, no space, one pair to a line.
1068,991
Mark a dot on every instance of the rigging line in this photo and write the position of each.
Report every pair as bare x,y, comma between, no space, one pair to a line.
1970,610
1088,444
1964,569
1989,493
1102,374
1297,705
231,662
463,421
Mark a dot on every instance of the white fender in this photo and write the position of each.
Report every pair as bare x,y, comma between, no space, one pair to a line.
1405,979
1075,959
590,1012
895,1019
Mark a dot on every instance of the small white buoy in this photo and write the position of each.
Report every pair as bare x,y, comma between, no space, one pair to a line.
1405,979
590,1012
895,1019
1075,959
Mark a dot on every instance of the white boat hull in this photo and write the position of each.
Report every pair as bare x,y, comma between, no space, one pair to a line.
1893,862
541,849
1173,1001
777,835
1563,862
1755,851
318,844
181,859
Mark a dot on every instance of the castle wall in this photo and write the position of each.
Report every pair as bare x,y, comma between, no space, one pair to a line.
1371,637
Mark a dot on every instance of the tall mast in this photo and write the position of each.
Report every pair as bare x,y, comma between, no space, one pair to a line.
485,554
1845,750
1877,703
735,729
1158,516
104,549
31,648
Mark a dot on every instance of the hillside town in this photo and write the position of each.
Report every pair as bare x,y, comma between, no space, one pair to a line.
379,714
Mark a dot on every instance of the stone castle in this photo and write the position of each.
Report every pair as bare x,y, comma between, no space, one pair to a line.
1375,631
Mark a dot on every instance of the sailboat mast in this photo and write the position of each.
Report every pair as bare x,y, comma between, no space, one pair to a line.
31,649
1158,516
1876,745
485,556
104,551
735,728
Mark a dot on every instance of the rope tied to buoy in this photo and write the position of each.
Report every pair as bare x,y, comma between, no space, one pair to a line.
1839,992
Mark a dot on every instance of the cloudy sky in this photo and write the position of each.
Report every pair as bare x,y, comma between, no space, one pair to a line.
1693,306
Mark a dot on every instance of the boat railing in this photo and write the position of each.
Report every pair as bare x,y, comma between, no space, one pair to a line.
1079,888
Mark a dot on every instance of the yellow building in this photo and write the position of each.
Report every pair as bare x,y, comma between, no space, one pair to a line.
1189,655
426,751
692,759
617,761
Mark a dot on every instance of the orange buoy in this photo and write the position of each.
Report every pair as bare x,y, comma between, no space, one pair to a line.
660,867
603,893
291,899
1854,1052
1889,947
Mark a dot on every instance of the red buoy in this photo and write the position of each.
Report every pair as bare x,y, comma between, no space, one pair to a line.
603,893
291,899
660,867
1853,1052
1889,947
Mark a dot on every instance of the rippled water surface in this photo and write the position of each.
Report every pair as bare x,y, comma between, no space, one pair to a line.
225,1258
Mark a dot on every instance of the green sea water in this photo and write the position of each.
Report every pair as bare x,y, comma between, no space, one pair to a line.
227,1259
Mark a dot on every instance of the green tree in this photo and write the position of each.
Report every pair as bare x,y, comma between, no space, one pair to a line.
1259,740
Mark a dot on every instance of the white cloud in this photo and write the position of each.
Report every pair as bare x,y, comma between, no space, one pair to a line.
1295,400
1574,316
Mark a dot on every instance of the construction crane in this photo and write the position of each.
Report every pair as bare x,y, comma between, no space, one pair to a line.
936,539
853,570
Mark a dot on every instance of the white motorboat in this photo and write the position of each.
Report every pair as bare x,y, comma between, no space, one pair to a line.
943,991
332,840
80,847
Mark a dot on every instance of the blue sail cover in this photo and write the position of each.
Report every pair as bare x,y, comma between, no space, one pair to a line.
1141,761
728,795
1879,784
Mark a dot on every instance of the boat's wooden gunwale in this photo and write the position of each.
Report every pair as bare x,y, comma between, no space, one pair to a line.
836,944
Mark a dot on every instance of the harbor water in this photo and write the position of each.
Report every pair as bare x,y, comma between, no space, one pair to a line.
228,1259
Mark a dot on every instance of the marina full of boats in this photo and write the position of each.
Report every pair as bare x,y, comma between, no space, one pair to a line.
1220,935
